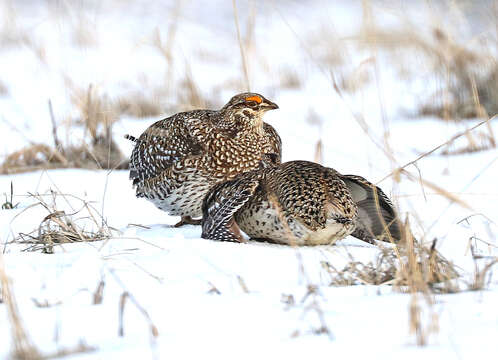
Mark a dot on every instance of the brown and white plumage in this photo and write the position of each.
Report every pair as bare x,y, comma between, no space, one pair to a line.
176,161
297,202
375,210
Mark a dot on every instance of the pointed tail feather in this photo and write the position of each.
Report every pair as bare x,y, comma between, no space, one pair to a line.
131,138
377,218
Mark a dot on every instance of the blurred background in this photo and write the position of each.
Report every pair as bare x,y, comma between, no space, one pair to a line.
363,86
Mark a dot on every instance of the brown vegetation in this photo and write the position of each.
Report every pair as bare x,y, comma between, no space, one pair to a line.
60,227
100,152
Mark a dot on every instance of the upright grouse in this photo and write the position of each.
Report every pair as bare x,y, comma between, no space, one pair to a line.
176,161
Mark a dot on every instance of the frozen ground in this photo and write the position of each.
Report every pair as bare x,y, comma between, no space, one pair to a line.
223,300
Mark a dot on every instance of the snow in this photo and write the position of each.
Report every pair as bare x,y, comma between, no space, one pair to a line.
225,300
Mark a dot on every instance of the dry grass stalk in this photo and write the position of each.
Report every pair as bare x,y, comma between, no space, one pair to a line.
369,22
138,105
315,120
481,111
165,48
289,79
84,32
122,302
11,33
45,303
23,348
3,89
288,299
78,349
241,47
213,289
189,95
313,293
57,143
309,302
98,294
242,284
418,273
9,203
482,273
96,110
58,227
318,158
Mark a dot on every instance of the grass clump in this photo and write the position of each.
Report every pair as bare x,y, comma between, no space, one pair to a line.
60,227
392,267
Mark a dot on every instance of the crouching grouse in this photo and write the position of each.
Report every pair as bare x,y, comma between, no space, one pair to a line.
298,203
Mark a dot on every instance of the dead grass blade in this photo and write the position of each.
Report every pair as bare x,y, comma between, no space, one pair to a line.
98,294
23,348
122,302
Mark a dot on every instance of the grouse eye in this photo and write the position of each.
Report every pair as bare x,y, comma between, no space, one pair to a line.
252,104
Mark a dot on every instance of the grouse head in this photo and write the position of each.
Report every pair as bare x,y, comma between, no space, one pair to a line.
247,109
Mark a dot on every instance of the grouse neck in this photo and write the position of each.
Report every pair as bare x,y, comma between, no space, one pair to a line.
243,121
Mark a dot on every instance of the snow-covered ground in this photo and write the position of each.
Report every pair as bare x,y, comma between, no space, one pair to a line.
228,300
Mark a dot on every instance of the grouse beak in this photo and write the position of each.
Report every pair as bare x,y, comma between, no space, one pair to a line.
268,105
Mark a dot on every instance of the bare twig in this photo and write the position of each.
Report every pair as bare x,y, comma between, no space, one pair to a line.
57,144
23,346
